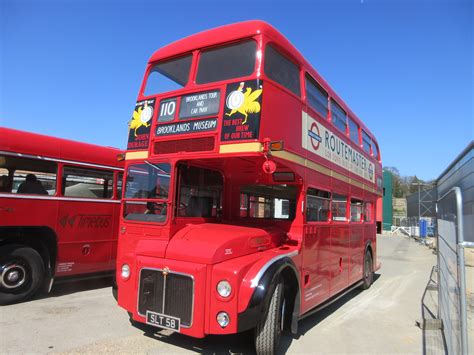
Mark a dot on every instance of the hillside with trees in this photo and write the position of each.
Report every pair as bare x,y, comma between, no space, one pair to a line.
405,185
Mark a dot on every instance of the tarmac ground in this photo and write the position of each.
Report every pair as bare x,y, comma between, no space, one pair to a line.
83,317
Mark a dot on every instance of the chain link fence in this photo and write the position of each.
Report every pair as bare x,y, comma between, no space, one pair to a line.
452,295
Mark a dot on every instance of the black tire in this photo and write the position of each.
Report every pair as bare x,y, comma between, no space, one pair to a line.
26,264
368,276
268,330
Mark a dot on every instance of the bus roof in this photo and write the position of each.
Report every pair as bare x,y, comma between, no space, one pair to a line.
12,140
245,29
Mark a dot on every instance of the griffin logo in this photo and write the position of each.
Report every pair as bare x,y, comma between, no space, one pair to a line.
141,117
165,271
243,102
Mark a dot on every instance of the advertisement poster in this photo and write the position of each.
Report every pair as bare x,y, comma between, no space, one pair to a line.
139,125
241,118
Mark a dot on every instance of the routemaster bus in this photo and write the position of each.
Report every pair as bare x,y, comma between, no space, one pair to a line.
250,189
59,211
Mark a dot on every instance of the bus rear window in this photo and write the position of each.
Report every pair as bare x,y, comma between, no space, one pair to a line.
168,75
228,62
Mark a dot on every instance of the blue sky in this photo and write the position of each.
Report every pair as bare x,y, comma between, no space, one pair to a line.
73,68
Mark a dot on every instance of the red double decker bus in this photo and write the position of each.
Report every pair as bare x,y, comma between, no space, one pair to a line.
250,189
59,211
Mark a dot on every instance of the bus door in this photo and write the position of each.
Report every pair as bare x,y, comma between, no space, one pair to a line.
86,221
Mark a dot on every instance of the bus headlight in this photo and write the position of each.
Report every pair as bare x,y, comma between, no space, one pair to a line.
125,271
223,319
224,289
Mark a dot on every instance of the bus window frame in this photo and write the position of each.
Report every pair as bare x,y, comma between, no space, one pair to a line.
309,77
173,201
332,120
350,119
313,186
346,220
197,58
290,58
165,59
362,212
169,202
72,165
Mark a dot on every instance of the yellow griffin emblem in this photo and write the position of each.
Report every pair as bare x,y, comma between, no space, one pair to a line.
243,102
141,117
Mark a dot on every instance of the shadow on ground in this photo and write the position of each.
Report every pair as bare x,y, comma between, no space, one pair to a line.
243,343
68,287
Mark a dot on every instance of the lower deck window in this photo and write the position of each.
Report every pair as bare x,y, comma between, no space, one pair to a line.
90,183
268,201
339,207
27,176
368,212
318,202
356,210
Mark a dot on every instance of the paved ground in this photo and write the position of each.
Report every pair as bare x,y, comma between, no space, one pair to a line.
84,318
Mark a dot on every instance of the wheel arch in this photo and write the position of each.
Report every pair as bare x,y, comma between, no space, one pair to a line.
282,269
368,248
41,239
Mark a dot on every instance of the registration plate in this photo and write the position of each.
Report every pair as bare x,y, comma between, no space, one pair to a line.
162,321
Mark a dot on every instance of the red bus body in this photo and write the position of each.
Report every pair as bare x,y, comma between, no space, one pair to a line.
73,226
261,234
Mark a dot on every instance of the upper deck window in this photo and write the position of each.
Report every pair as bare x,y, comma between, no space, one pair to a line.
317,96
366,142
282,70
338,116
168,75
375,150
353,131
227,62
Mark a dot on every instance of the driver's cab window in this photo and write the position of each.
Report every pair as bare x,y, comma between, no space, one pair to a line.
200,192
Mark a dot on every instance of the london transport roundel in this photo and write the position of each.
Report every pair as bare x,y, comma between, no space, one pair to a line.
315,136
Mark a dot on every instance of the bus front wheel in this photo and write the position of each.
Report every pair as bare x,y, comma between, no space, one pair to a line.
269,329
21,273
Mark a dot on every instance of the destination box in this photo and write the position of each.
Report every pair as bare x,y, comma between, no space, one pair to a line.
199,104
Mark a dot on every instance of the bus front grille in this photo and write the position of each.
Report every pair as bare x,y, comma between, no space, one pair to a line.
171,294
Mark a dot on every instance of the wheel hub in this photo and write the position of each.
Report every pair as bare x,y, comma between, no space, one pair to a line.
13,276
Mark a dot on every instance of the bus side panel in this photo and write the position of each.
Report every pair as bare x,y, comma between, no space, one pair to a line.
340,247
279,108
16,211
316,263
356,252
87,235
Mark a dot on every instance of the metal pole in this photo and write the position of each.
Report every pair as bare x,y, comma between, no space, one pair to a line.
419,204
